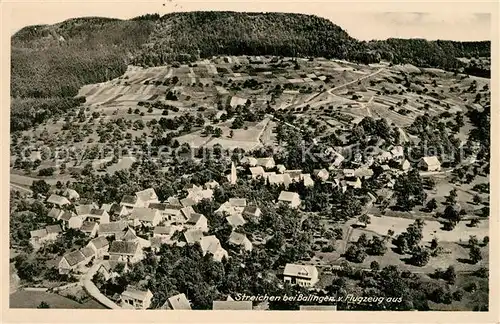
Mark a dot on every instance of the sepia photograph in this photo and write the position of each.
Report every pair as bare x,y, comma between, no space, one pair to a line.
211,156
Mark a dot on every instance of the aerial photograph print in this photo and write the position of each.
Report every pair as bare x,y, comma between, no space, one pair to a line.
194,157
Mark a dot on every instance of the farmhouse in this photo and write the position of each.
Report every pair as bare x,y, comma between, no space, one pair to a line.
99,245
430,163
112,229
240,240
84,210
133,298
177,302
290,198
256,172
55,213
99,216
187,202
279,179
88,253
197,194
266,163
130,202
197,221
164,231
89,228
57,200
145,216
307,180
147,196
193,236
72,262
211,244
302,275
236,220
234,206
125,251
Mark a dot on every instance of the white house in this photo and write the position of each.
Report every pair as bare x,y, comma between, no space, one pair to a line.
240,240
100,246
72,262
177,302
250,161
112,229
321,174
266,163
290,198
71,194
133,298
211,244
252,212
58,200
145,216
235,220
257,172
197,221
430,163
99,216
302,275
146,197
126,251
89,228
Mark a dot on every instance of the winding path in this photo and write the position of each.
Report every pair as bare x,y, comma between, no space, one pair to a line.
92,290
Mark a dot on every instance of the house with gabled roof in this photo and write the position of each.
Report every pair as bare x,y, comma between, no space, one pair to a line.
240,240
280,168
405,165
186,214
363,172
100,245
99,216
145,216
126,251
112,229
130,202
290,198
307,180
193,236
72,262
57,200
177,302
252,212
55,213
279,179
84,210
211,244
89,228
295,175
147,196
88,253
266,163
236,220
429,163
187,202
256,172
302,275
197,221
398,153
133,298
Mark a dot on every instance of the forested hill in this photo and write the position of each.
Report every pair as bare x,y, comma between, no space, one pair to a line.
49,63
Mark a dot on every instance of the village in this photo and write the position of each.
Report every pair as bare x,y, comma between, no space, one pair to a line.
348,210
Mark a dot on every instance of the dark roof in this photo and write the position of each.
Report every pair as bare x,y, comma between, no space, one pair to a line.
123,247
158,206
186,202
195,217
250,210
115,208
129,199
74,257
98,212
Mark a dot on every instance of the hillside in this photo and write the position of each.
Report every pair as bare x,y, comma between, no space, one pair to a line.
50,63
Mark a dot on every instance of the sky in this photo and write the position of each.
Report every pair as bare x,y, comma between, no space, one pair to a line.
364,21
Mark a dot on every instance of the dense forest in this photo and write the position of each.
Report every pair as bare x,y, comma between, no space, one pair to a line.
50,63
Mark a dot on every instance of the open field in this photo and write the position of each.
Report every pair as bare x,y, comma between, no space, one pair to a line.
31,299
